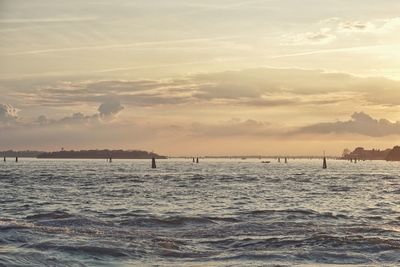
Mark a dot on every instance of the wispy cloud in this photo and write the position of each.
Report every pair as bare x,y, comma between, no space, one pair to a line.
45,20
119,46
338,50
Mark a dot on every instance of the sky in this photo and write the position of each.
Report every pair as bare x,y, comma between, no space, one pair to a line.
209,77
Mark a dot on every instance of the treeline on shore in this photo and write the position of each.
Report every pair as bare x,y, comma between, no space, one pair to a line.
84,154
374,154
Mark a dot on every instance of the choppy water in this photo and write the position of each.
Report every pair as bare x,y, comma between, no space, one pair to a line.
216,213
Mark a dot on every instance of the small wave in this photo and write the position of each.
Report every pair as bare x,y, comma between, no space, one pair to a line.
13,224
20,258
361,242
296,212
91,250
336,188
174,221
49,215
223,219
71,222
334,257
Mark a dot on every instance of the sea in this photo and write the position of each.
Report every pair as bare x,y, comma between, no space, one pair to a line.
219,212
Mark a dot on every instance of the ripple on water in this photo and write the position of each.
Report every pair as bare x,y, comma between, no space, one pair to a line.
221,213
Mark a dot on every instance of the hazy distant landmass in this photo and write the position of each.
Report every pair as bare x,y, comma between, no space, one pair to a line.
394,154
374,154
100,154
21,154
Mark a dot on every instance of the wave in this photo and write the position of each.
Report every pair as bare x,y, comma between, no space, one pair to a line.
49,215
298,212
78,249
37,259
173,221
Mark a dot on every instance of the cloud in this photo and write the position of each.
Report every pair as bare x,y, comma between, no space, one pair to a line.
323,36
107,112
45,20
355,26
110,108
8,114
153,44
262,88
42,120
344,30
360,123
77,118
377,27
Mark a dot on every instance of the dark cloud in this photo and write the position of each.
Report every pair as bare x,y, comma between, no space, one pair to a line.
110,108
360,123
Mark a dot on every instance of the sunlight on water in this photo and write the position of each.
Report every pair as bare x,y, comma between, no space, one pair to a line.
215,213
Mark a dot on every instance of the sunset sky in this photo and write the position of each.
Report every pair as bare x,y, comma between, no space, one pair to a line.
209,77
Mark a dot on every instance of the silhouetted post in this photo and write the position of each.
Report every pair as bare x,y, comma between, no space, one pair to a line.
197,160
16,159
355,160
5,159
110,160
193,160
324,166
279,160
285,159
153,163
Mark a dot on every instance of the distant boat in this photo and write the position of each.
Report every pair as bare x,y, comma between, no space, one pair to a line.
244,158
265,161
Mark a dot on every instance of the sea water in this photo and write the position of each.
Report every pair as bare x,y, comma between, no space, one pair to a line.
215,213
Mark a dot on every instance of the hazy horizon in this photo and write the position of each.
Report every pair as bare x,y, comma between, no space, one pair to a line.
182,77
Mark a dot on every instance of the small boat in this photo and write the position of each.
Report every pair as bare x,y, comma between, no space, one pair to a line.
265,161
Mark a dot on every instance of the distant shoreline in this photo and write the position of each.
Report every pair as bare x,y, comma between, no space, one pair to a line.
84,154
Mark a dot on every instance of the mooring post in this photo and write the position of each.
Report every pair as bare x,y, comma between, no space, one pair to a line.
153,163
16,159
197,160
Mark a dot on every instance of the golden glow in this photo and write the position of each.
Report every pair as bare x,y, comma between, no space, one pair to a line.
216,77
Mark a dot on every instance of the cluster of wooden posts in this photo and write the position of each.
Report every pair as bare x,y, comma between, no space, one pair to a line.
5,159
196,160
